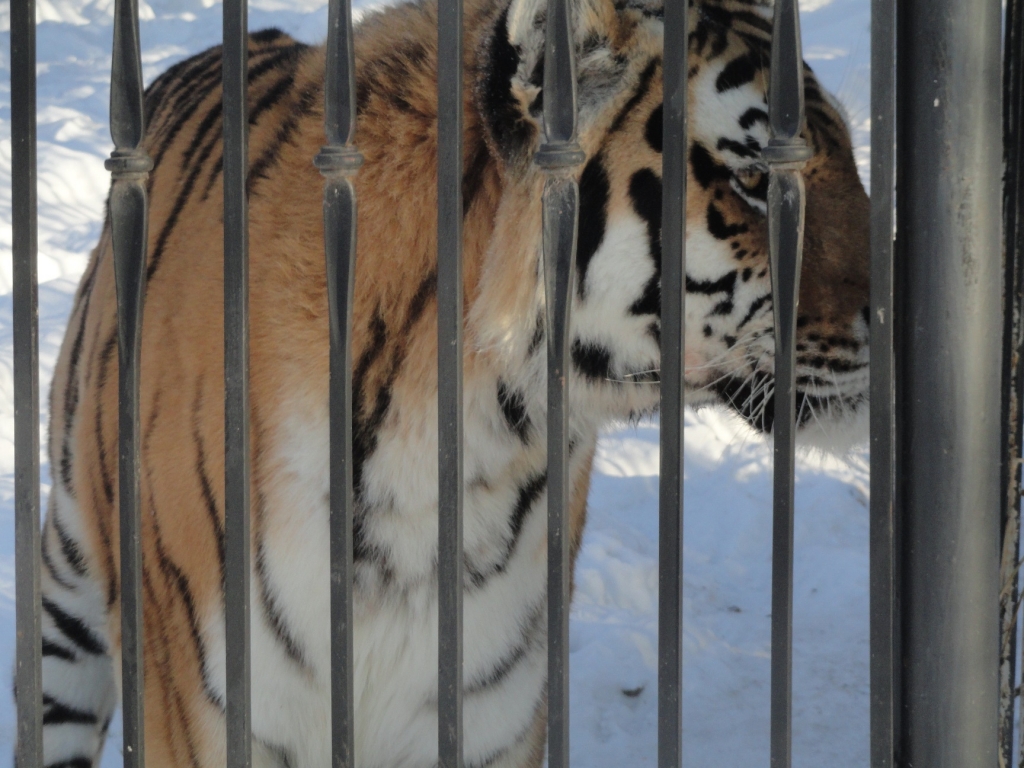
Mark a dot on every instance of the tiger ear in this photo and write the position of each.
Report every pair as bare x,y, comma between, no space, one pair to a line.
509,87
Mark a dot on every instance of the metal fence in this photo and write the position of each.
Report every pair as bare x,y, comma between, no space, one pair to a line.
945,426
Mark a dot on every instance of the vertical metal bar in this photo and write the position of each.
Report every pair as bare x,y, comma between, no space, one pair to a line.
948,322
786,154
884,625
673,305
449,378
236,384
338,161
558,157
129,166
1013,371
28,649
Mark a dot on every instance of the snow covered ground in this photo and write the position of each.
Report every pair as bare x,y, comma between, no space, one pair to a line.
728,472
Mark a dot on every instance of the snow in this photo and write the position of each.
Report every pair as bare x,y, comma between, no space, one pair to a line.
727,569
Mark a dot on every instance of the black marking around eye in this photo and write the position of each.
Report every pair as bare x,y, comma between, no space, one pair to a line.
645,195
513,409
718,227
594,193
751,116
498,104
654,128
740,150
736,74
705,169
592,360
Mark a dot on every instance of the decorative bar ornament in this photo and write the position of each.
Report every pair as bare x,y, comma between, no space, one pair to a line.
129,166
786,154
338,161
28,653
236,384
449,377
558,156
673,388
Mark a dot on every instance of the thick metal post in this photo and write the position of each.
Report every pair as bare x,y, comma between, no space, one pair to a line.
948,322
673,303
558,157
449,381
129,166
236,384
786,154
28,648
1013,369
883,572
337,162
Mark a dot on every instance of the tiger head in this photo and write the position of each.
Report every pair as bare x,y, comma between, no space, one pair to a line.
729,319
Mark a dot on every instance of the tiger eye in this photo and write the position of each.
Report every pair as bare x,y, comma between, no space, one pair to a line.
750,178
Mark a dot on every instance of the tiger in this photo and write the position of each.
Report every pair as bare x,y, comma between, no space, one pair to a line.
614,346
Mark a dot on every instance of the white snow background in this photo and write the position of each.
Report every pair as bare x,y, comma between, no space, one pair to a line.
727,566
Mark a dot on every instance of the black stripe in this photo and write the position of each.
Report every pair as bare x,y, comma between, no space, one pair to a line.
74,629
513,408
751,149
595,190
269,99
653,130
58,713
44,551
518,653
182,111
68,546
185,192
706,170
71,392
725,284
53,650
269,157
181,584
717,226
270,63
473,176
106,354
736,74
74,762
526,497
592,360
205,485
498,105
752,116
538,336
642,88
645,197
365,425
271,610
759,302
188,79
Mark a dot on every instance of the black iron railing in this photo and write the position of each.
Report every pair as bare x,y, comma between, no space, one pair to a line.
939,432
